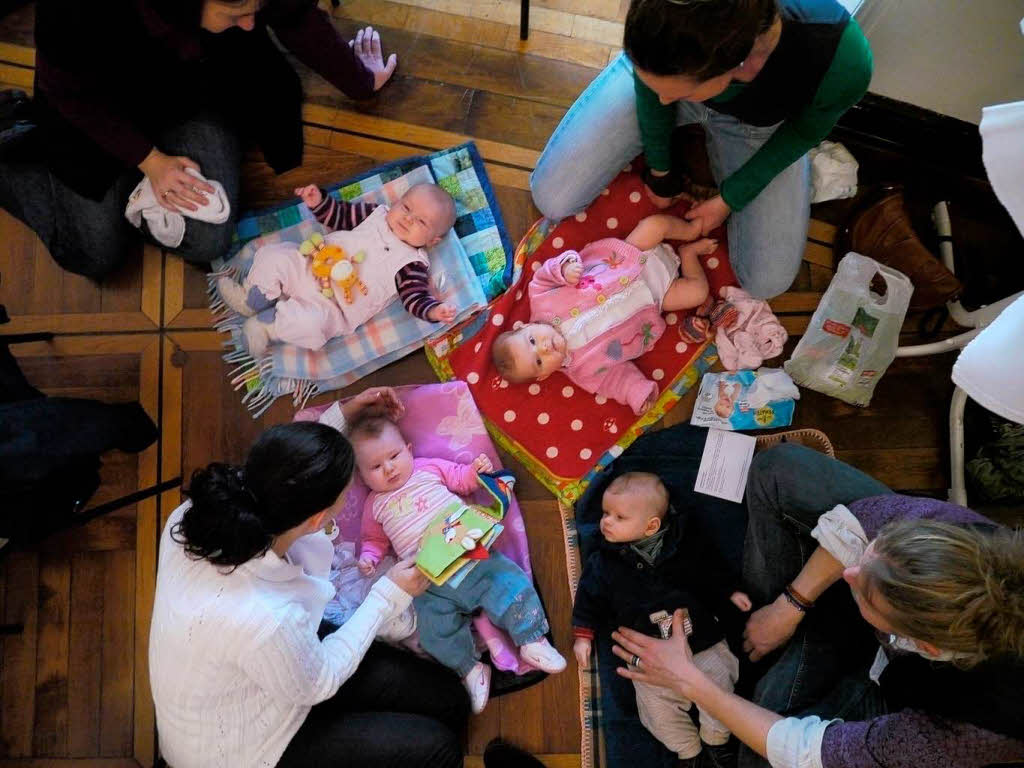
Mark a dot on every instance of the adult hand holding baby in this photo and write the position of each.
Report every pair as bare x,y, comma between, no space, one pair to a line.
712,213
666,663
380,397
408,577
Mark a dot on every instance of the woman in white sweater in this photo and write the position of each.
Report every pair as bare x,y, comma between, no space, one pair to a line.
242,671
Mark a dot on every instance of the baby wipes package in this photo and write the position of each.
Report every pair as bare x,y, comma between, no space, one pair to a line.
761,399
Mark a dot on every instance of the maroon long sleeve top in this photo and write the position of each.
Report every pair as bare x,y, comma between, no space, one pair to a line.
111,76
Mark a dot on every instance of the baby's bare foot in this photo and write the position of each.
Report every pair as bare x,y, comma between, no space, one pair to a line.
702,247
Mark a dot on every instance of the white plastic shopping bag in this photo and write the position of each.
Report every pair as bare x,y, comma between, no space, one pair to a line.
854,332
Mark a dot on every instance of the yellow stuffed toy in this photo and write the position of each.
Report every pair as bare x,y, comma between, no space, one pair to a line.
331,264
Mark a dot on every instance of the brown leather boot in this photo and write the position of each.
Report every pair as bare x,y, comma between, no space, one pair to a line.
879,227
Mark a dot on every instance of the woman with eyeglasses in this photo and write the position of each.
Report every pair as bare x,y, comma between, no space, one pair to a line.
893,627
767,80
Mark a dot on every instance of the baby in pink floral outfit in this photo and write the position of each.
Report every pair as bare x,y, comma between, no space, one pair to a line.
593,312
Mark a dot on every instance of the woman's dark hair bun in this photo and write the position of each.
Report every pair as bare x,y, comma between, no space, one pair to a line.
223,524
293,471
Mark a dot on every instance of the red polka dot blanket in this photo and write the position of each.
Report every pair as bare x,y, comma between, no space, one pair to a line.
563,434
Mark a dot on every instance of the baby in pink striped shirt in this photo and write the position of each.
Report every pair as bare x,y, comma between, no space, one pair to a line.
384,258
407,493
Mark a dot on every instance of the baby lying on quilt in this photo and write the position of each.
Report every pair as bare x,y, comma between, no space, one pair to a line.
647,567
330,286
593,312
406,495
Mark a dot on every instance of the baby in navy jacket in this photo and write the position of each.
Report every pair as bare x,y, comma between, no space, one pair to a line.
645,567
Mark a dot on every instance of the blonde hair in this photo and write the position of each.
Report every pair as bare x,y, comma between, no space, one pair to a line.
960,588
504,360
646,486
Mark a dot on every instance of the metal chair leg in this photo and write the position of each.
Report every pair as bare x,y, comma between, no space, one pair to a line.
524,19
958,490
976,322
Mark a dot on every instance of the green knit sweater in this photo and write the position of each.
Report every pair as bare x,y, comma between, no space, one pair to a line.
842,84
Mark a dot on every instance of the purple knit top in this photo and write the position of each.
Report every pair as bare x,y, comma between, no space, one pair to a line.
910,738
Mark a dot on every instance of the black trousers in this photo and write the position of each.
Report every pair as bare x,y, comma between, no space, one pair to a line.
92,237
396,711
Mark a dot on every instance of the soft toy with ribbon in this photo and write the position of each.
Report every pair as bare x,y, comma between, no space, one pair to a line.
331,264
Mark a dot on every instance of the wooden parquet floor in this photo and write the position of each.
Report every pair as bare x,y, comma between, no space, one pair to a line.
73,684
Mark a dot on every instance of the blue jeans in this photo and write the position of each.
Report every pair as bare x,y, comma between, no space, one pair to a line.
499,587
823,669
600,134
92,237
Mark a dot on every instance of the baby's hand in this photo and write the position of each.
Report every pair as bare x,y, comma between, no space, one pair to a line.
442,313
310,195
572,271
741,600
366,566
482,464
581,649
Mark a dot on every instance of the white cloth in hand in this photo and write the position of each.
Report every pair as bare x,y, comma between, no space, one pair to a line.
168,227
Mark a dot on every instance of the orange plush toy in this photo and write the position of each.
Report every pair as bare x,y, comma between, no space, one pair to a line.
331,264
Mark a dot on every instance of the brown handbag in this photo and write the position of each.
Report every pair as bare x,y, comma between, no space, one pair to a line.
880,227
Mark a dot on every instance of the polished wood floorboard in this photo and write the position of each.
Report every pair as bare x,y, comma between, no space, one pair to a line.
73,684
